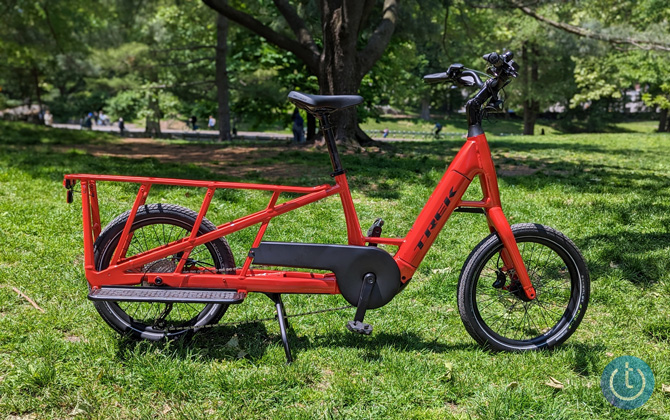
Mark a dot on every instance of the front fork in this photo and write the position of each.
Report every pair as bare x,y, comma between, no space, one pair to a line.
510,253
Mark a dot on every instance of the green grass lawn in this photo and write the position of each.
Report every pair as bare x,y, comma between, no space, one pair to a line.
610,193
455,126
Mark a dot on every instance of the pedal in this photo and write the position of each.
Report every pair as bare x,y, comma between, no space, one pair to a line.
375,230
165,295
359,327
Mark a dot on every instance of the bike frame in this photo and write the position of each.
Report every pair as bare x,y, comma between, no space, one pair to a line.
473,160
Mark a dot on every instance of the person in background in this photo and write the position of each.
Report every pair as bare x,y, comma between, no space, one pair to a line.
122,126
298,127
88,121
102,118
385,132
438,128
48,118
194,122
211,123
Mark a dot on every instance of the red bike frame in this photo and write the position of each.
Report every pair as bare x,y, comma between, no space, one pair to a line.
474,159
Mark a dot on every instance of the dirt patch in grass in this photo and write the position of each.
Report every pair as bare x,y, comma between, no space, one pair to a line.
515,170
73,338
237,162
512,165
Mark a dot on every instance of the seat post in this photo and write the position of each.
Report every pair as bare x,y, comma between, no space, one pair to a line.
329,137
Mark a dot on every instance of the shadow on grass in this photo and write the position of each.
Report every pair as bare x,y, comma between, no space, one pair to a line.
219,343
252,340
587,357
406,341
378,174
632,253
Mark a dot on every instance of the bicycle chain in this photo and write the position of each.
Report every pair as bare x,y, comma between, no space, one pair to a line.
253,321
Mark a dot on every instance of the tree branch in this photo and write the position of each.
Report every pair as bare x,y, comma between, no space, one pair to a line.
494,6
368,7
446,27
379,39
51,28
165,86
186,47
178,63
297,26
579,31
310,59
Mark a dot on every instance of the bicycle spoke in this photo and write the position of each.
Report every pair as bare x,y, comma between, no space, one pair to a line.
502,309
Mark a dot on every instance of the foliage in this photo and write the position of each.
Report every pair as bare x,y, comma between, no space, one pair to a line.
661,100
76,57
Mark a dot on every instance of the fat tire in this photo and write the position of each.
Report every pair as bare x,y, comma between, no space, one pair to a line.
469,281
158,214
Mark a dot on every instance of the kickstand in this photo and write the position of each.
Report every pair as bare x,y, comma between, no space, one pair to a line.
283,324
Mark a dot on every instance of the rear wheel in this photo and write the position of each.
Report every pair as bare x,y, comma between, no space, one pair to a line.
494,308
156,225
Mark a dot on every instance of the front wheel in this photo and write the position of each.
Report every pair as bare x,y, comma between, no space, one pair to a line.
493,306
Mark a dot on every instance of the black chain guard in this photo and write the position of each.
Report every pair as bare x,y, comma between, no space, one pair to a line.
349,263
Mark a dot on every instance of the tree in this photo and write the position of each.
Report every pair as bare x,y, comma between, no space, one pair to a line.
661,100
39,42
622,14
638,31
222,84
335,57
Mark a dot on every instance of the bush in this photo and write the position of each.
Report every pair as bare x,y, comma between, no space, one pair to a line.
594,119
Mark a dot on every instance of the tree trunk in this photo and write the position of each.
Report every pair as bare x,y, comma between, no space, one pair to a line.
425,109
38,94
222,86
339,72
663,123
153,120
339,65
531,107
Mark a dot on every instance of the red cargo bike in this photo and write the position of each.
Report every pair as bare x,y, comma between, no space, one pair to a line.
163,271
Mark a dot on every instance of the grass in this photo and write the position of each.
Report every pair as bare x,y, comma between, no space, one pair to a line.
609,192
454,126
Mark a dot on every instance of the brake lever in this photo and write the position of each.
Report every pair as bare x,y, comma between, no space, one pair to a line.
455,70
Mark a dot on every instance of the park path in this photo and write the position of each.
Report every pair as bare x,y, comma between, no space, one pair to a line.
132,131
138,132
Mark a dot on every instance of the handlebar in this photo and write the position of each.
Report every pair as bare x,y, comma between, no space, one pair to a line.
502,68
462,76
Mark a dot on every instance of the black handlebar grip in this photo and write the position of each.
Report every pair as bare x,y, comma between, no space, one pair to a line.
436,78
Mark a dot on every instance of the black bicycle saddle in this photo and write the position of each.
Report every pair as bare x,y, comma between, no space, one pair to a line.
312,103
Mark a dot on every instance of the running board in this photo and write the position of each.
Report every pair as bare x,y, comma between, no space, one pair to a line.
165,295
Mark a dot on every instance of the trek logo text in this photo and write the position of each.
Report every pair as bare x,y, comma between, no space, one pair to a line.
436,218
